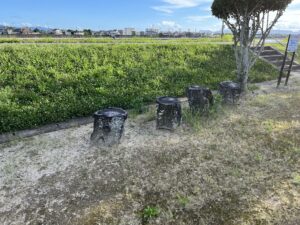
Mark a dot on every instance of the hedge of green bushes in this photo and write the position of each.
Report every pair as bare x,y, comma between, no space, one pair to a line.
53,83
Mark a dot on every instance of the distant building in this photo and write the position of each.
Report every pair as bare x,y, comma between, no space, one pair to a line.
177,34
138,33
99,33
12,31
102,33
113,33
58,32
68,33
121,32
2,30
129,32
152,32
166,34
79,33
26,31
17,31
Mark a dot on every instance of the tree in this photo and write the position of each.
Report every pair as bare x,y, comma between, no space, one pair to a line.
87,32
37,30
72,32
247,19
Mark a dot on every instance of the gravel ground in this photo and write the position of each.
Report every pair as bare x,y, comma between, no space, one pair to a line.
49,178
215,175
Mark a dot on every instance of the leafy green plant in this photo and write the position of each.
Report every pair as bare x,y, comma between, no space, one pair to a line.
192,119
259,157
296,179
217,106
269,125
150,213
182,200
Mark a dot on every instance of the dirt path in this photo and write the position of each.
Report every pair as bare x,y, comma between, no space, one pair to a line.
48,178
57,178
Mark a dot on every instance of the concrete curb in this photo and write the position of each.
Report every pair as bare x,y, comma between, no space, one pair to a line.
11,136
7,137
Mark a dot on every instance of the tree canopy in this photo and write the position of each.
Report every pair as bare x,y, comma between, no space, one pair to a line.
247,19
226,9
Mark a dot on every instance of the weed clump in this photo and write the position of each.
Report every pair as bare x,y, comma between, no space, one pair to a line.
150,212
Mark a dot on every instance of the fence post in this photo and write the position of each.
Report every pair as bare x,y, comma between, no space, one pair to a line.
284,61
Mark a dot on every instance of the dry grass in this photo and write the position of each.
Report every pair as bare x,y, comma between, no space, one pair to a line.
241,167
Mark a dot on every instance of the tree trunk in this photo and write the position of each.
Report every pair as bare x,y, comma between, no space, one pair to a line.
243,66
243,59
244,71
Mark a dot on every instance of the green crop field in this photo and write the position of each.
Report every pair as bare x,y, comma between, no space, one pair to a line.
107,40
41,84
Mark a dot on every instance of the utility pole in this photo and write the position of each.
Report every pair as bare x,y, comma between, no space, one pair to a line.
223,28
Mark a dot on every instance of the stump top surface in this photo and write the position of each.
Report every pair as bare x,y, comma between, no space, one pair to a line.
167,100
111,113
197,88
230,84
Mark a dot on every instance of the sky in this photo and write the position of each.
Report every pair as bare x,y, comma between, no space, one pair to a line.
118,14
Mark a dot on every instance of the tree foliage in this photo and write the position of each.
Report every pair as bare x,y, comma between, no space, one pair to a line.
226,9
247,19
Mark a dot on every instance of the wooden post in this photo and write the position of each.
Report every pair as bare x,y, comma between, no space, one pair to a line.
284,61
290,69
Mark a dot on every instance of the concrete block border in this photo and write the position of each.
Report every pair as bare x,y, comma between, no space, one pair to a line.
11,136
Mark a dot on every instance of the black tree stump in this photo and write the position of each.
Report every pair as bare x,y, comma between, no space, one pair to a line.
109,126
168,113
199,98
230,92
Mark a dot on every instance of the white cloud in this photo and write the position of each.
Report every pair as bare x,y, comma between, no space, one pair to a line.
289,20
170,6
295,2
198,18
206,9
183,3
164,9
169,25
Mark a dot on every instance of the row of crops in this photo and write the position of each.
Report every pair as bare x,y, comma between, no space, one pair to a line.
41,84
226,38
